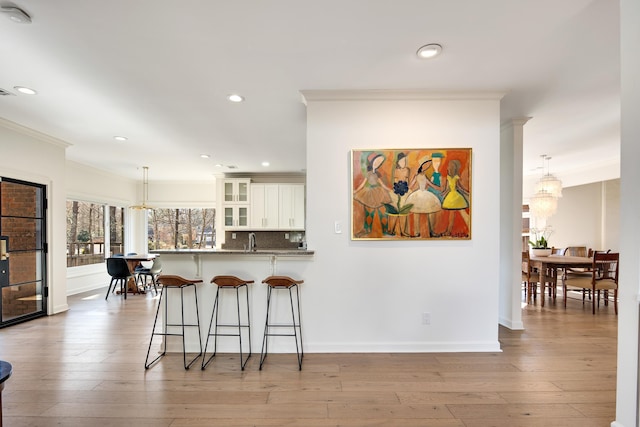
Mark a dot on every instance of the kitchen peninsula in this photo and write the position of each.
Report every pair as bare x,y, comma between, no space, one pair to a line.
249,265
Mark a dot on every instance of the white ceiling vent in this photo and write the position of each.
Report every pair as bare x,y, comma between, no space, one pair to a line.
4,92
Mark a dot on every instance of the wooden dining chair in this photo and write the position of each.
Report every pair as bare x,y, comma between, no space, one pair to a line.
602,277
531,276
526,276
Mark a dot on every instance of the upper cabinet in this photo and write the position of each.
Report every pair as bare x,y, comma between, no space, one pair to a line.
291,206
236,190
236,202
264,206
236,216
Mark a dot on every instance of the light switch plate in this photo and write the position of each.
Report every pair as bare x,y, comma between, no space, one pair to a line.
337,226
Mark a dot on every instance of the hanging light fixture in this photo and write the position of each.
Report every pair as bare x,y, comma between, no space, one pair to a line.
145,190
542,205
549,183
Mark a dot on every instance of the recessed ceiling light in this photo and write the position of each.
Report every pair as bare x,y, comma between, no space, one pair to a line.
205,156
265,164
235,98
120,138
219,165
429,51
25,90
232,167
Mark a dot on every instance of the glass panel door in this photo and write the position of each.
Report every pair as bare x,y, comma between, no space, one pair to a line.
22,251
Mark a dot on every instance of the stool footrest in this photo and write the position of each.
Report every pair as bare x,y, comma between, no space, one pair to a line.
283,283
177,283
231,283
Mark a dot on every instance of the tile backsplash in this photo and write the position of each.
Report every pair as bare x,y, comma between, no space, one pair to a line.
264,239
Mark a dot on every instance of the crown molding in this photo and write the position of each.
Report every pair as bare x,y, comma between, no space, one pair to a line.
395,95
33,133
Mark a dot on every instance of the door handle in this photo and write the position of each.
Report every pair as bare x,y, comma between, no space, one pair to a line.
4,255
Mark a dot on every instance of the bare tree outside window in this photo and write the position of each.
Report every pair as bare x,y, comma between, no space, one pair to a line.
192,228
86,225
85,233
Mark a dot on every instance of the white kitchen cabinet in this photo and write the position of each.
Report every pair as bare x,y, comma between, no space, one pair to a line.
236,203
236,190
291,206
264,206
236,216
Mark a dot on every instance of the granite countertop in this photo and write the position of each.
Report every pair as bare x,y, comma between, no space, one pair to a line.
258,252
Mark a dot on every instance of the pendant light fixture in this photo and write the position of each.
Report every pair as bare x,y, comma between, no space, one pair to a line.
544,202
542,205
549,182
145,190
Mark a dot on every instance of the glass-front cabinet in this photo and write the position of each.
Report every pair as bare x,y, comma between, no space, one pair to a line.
236,216
236,202
236,190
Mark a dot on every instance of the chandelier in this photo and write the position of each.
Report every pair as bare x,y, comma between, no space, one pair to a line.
549,182
145,190
544,202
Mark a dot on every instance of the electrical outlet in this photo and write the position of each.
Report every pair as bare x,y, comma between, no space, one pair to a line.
286,236
426,318
233,235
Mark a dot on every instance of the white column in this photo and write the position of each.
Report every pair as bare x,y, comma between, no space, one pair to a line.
629,282
511,139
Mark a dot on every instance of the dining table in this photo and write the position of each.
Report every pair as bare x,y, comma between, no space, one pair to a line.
134,261
556,262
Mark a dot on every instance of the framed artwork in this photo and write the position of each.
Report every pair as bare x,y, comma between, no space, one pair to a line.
411,194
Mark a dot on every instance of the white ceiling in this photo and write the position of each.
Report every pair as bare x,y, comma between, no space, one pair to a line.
158,73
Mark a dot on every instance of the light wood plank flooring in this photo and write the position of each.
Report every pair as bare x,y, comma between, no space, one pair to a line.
86,368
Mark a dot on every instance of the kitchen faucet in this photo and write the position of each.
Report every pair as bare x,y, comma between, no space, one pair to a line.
252,242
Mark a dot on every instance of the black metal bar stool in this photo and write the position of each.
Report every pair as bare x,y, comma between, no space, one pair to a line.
178,283
234,283
283,283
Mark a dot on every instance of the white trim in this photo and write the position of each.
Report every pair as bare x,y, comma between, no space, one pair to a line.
514,326
92,198
33,133
394,95
408,347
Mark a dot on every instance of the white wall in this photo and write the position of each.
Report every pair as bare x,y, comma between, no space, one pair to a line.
588,215
370,295
611,215
182,194
37,158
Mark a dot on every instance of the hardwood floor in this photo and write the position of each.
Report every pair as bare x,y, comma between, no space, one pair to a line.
85,368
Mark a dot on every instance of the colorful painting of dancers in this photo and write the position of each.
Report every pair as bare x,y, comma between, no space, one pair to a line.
411,194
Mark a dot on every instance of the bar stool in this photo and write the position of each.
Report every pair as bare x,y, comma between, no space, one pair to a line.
228,282
283,283
178,283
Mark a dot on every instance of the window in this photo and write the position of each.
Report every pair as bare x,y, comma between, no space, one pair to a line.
192,228
86,224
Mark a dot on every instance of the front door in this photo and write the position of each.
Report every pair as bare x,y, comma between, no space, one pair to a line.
22,251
